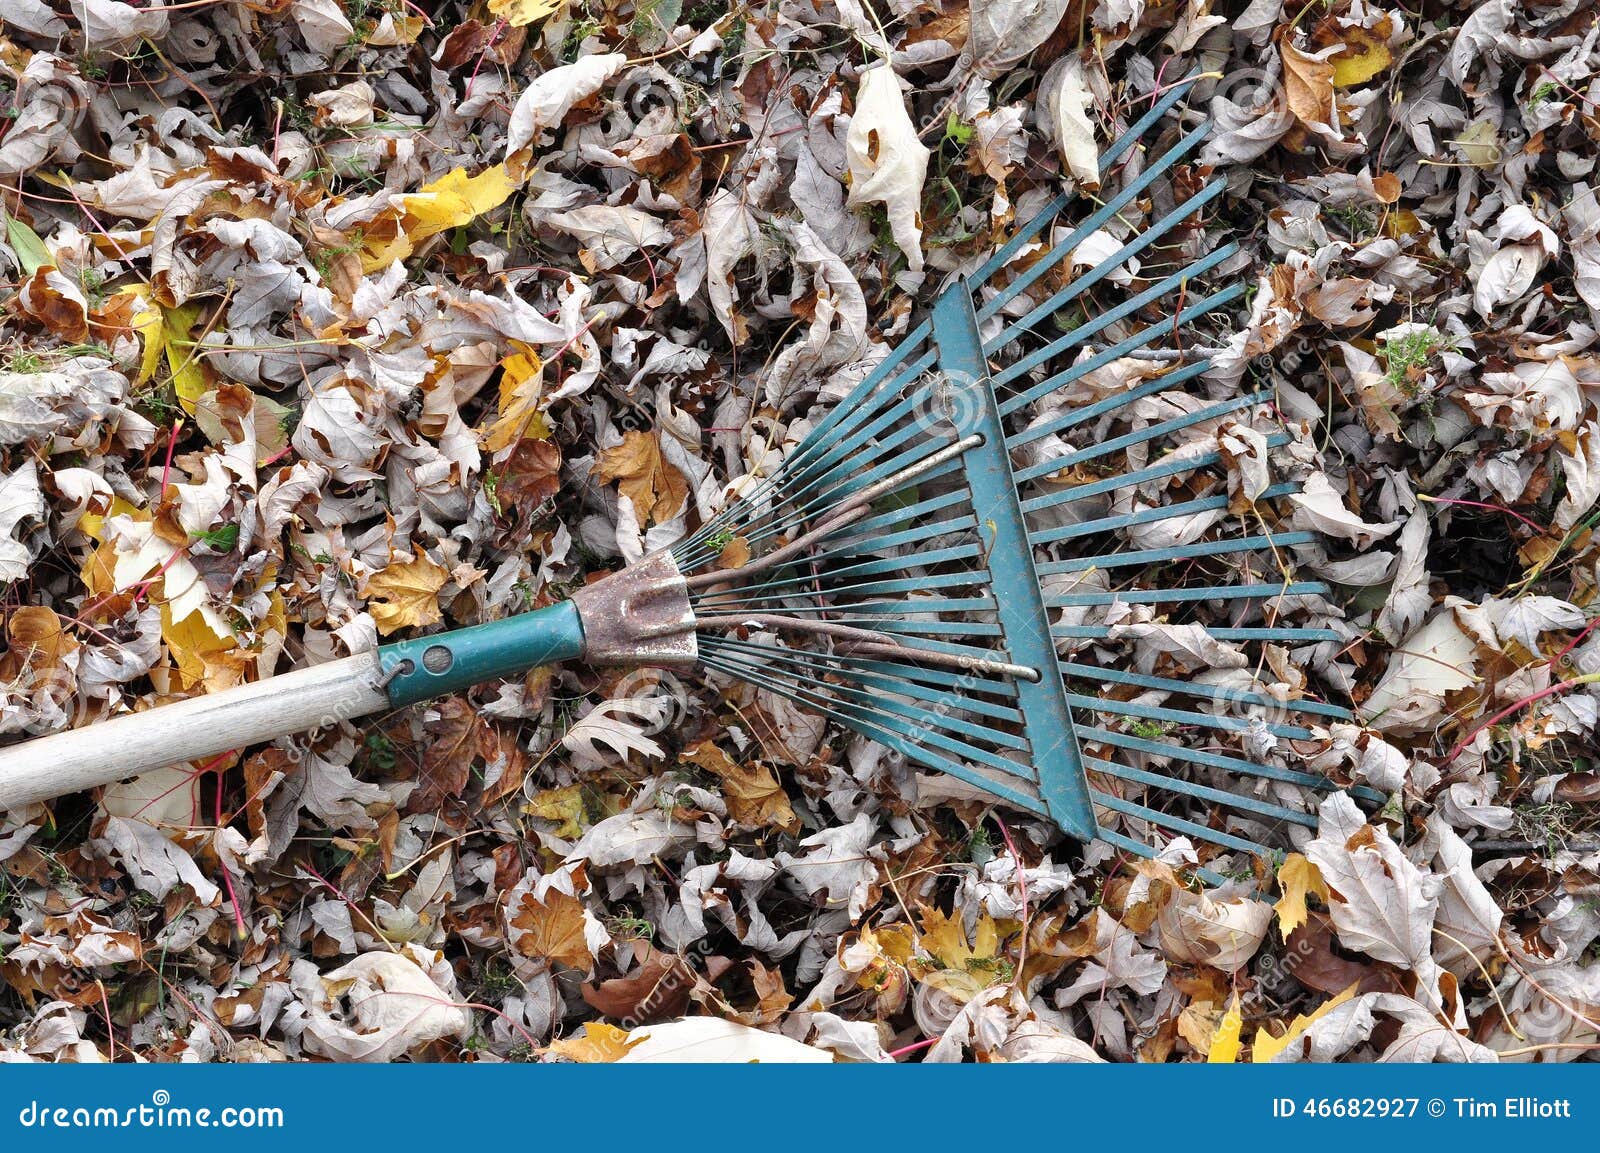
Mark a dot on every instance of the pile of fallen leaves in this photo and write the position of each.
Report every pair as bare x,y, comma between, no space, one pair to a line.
332,321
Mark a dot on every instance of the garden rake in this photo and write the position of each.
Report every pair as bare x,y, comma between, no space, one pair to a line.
947,563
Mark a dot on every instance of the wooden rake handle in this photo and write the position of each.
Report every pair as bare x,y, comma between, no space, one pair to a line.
190,730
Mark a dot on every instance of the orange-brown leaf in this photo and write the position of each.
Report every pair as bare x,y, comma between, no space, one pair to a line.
553,930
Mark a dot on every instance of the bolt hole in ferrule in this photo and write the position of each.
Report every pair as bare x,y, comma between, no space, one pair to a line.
425,667
640,615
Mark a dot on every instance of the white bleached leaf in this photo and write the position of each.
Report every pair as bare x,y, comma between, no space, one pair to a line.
1064,102
1319,507
1382,904
323,24
544,104
1197,930
836,864
888,164
1468,921
382,1006
1506,276
611,234
1438,659
1005,31
1525,619
730,233
1409,597
20,500
711,1040
154,863
632,838
620,725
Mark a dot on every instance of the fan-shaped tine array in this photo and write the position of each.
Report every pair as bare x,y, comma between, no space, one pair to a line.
975,558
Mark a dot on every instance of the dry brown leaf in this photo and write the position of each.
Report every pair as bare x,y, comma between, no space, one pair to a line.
754,795
1308,86
452,733
553,930
657,989
658,491
735,554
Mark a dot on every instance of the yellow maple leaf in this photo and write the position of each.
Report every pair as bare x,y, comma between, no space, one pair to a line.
564,805
167,331
1225,1043
204,656
658,491
520,12
521,388
406,595
1300,879
959,968
454,199
449,202
1366,53
597,1043
1265,1046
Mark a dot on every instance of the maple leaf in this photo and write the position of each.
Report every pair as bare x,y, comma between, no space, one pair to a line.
657,490
521,388
598,1043
518,13
754,796
1265,1046
165,333
552,930
406,595
1300,879
1225,1043
203,655
453,200
960,968
453,728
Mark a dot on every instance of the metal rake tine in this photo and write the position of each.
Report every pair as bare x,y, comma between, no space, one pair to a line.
1145,435
1150,556
1077,336
1108,160
1098,220
1149,516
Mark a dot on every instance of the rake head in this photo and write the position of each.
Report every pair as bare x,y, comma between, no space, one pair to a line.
974,556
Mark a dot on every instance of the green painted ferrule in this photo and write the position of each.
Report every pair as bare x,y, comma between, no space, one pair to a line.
426,667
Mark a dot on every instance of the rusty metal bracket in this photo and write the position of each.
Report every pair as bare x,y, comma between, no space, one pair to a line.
640,615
